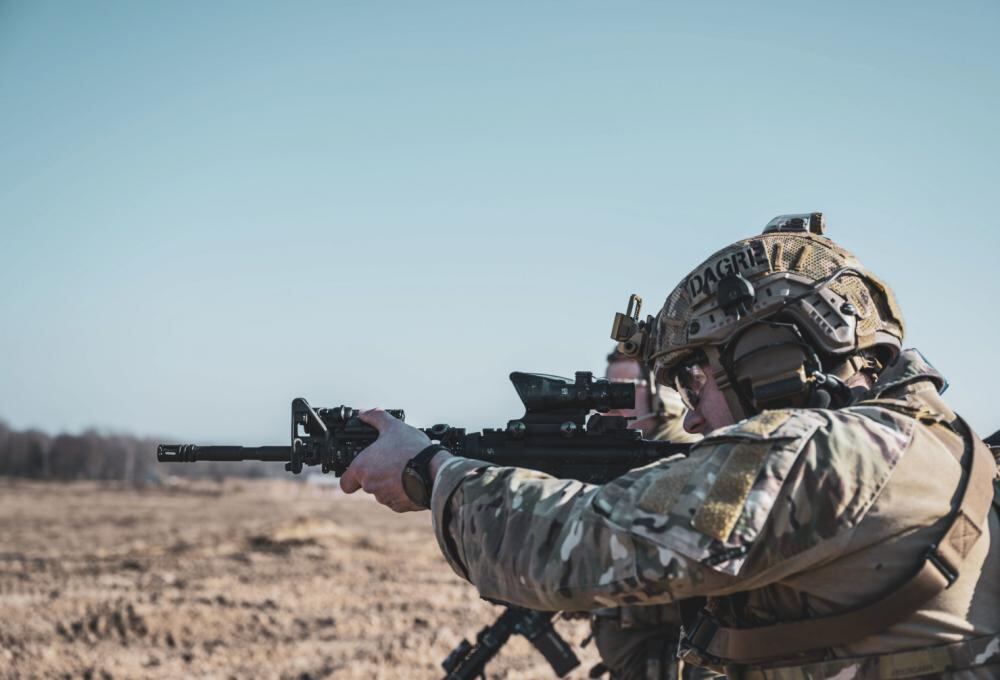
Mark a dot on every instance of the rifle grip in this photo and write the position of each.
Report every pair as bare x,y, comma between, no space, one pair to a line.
556,651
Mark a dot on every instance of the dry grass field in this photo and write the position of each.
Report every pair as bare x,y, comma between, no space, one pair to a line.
244,579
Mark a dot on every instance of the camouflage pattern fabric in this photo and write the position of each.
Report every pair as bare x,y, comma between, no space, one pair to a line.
642,653
663,532
757,509
640,642
648,652
795,262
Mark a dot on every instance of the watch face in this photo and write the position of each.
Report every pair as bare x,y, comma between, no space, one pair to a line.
415,488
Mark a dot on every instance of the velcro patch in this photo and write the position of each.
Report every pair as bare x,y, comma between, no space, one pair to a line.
723,506
659,498
711,506
663,490
766,423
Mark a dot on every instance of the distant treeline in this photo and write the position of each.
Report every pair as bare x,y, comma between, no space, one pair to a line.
93,455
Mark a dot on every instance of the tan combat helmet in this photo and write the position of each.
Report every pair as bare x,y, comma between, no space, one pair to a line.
782,319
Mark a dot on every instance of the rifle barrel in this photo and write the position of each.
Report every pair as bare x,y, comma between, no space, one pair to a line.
190,453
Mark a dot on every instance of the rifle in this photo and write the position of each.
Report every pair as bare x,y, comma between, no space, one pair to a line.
467,661
557,435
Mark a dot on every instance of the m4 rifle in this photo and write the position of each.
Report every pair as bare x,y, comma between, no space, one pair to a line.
558,434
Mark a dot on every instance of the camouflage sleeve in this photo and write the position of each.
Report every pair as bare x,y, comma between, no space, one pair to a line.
736,512
529,539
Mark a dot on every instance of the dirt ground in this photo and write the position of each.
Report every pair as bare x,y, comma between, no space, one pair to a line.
243,579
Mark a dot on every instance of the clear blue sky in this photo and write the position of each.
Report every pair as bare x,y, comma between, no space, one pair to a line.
207,209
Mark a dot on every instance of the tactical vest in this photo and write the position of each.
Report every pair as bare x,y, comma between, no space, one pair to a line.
755,653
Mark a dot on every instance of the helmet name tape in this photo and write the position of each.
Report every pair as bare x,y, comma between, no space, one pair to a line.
748,258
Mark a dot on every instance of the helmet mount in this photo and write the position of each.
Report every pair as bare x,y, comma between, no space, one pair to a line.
735,295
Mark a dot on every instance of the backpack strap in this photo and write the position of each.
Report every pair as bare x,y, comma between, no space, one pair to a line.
939,568
981,653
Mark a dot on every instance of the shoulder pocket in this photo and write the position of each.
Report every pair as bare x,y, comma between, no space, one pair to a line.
712,506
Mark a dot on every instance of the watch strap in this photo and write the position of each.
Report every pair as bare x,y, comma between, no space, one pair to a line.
421,465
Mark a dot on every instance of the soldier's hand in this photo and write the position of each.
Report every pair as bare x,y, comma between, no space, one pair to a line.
378,469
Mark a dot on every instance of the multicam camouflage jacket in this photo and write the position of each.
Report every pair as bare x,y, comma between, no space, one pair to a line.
788,515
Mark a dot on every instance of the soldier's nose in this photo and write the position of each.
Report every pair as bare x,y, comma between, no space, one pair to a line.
694,422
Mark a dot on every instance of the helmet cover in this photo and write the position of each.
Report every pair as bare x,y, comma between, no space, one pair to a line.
804,277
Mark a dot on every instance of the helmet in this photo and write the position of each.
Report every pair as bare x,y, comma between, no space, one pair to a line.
782,319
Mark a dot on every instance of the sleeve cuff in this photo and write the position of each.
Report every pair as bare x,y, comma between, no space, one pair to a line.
449,477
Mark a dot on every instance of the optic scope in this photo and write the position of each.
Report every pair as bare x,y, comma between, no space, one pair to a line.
549,393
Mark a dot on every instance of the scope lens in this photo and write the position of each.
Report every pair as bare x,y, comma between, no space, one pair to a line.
621,395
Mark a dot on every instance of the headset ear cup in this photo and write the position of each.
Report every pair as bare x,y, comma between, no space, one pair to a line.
769,366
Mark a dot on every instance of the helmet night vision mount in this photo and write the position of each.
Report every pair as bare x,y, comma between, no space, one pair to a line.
631,334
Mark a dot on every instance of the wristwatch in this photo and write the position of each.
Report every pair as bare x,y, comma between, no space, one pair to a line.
417,481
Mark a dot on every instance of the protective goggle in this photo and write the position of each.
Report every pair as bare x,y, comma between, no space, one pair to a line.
689,379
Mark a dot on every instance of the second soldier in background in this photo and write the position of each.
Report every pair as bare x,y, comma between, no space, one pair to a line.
640,642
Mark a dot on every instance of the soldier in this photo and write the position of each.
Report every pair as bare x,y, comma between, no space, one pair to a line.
659,411
640,642
840,517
